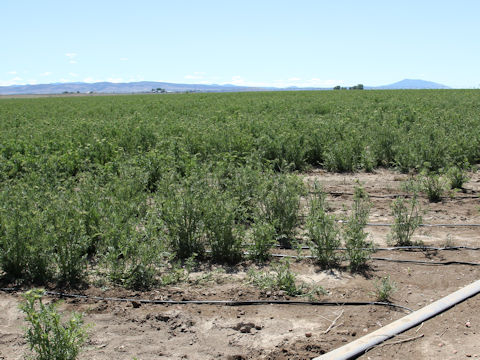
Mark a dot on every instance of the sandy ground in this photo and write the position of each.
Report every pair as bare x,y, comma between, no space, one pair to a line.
146,331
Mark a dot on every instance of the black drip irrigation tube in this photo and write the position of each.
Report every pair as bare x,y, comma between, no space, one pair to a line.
424,225
419,225
394,196
394,248
419,262
219,302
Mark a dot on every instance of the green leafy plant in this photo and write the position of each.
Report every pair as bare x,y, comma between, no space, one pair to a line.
263,238
280,204
182,210
281,278
407,218
432,184
134,247
358,249
322,230
384,289
25,249
77,175
174,274
458,176
48,335
67,234
223,234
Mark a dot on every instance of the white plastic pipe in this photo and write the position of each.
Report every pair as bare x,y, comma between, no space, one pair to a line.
359,346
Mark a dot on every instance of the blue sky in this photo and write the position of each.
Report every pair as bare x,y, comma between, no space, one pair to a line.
242,42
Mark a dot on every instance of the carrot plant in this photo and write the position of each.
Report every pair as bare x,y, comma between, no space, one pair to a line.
322,230
280,204
48,335
358,249
406,217
97,182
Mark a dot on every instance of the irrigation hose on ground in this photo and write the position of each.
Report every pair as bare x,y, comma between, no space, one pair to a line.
425,225
419,262
360,346
219,302
419,225
394,248
393,196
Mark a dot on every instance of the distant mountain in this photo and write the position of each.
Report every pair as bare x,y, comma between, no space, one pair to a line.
147,86
121,88
413,84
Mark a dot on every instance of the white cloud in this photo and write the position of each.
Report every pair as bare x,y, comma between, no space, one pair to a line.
73,74
46,73
115,80
12,72
14,81
294,79
89,79
71,56
237,80
123,59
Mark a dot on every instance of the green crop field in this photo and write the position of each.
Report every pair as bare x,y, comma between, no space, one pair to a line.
131,186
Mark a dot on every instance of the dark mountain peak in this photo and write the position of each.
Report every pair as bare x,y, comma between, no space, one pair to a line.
414,84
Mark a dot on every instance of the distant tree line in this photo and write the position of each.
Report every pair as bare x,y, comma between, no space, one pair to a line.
356,87
159,90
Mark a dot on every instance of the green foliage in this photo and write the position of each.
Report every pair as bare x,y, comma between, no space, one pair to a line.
384,289
48,336
182,209
357,87
280,205
223,234
136,251
322,230
458,176
281,278
176,273
407,218
25,248
358,249
114,182
263,238
432,184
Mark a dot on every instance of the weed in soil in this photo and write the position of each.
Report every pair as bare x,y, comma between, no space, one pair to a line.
407,218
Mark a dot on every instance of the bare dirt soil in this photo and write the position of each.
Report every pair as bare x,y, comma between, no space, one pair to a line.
126,330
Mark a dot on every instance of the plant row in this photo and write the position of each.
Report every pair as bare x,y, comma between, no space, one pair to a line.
339,131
